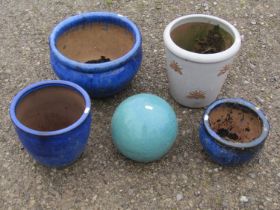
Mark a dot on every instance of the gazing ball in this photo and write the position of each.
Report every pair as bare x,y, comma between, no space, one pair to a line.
144,127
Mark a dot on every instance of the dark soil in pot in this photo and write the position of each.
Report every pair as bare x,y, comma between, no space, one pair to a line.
234,122
95,43
202,38
50,108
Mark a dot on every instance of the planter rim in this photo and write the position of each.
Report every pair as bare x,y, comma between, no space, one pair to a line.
49,83
198,57
247,104
96,67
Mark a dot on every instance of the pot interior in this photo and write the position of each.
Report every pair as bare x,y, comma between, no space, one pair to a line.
95,42
50,108
199,37
235,122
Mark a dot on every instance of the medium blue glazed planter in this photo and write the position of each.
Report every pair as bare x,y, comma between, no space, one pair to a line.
98,79
144,127
227,152
52,119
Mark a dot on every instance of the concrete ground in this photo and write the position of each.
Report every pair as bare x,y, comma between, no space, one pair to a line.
104,179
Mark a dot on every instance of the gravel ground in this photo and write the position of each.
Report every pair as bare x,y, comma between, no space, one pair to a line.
102,178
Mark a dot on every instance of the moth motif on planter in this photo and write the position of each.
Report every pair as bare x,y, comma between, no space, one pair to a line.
196,94
175,66
223,70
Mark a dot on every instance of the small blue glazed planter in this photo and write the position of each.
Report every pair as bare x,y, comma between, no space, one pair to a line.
227,152
98,79
36,112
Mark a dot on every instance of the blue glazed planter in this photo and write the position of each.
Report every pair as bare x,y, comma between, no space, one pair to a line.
144,127
98,79
52,119
227,152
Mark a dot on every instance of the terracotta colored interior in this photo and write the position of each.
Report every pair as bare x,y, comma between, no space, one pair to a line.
50,108
187,35
235,123
95,43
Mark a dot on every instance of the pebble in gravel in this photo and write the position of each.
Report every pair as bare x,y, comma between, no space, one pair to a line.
243,199
179,196
253,22
252,175
197,193
259,99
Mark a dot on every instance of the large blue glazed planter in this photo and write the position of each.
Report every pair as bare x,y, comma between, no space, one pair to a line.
98,79
224,151
144,127
52,120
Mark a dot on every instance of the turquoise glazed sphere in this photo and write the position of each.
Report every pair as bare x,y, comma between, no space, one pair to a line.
144,127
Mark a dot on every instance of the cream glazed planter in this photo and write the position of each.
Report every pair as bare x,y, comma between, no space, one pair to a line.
195,79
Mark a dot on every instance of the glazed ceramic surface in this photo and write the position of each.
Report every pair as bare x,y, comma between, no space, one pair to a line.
57,148
226,152
144,127
98,79
195,80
